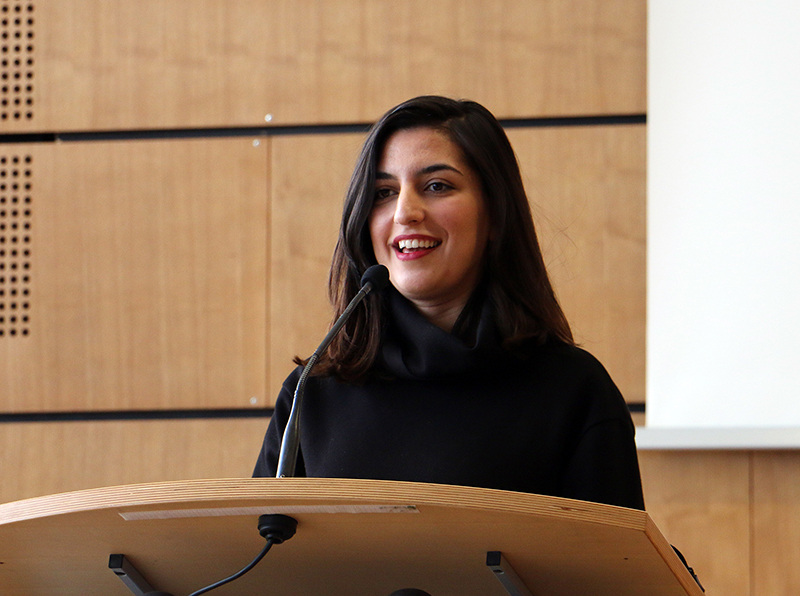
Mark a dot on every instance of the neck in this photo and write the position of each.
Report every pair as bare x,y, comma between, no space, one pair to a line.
442,314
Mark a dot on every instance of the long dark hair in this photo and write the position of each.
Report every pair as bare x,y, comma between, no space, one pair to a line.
525,305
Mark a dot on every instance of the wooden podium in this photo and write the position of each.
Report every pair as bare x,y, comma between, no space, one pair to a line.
354,538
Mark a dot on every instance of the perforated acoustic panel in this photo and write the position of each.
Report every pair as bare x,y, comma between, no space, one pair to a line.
16,60
16,185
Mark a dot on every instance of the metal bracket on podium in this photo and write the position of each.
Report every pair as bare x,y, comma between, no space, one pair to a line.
504,572
124,570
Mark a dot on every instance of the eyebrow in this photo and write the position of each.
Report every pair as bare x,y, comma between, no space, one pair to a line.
437,167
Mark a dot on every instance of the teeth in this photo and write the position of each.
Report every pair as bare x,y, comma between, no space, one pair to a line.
415,243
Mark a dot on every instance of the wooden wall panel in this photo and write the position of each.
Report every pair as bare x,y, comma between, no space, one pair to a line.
148,282
308,183
700,500
587,186
587,191
52,457
776,523
101,65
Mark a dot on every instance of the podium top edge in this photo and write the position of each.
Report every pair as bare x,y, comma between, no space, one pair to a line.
314,491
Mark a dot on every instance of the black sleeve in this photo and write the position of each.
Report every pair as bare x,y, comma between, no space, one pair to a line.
604,467
267,462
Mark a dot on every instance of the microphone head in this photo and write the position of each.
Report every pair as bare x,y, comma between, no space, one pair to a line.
377,275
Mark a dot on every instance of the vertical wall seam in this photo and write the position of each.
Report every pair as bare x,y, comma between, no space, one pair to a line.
752,511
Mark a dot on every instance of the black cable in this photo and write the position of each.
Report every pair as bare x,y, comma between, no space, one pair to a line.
238,574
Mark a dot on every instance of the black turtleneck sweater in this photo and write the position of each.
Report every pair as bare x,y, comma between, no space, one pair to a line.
551,423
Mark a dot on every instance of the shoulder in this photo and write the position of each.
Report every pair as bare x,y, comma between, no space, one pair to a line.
291,381
575,378
559,358
284,402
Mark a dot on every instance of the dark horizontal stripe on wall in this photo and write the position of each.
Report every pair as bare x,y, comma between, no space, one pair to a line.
204,133
636,408
194,133
138,415
33,137
558,121
182,133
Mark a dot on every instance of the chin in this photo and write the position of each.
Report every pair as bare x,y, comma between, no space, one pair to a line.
411,286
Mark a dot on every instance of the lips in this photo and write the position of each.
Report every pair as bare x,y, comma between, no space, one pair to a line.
414,246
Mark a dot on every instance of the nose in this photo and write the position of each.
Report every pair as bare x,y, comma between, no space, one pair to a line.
410,208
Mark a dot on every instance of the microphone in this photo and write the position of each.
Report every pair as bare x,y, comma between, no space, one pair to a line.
375,278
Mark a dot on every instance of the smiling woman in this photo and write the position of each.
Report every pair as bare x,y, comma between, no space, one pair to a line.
464,371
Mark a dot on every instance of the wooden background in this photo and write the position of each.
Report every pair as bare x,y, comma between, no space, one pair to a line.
171,178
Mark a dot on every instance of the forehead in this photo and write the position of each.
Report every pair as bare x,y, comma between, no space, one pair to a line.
419,147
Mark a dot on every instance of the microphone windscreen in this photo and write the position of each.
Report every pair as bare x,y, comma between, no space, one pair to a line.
377,275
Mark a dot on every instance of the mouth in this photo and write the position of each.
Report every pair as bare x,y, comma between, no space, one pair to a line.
413,245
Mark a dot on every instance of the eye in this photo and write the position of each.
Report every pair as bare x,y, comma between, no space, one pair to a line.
438,186
382,194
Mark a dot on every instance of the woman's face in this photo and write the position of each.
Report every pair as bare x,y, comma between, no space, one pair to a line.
429,224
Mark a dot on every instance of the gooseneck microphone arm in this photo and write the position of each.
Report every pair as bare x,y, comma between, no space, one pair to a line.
374,278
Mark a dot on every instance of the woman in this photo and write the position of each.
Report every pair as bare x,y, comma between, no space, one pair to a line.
464,371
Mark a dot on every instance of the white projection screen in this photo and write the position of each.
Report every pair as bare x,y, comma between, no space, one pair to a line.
723,322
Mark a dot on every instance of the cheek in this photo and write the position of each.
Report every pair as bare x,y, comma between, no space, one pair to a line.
471,226
377,233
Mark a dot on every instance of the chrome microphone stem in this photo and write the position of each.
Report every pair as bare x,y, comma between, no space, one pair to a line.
290,445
